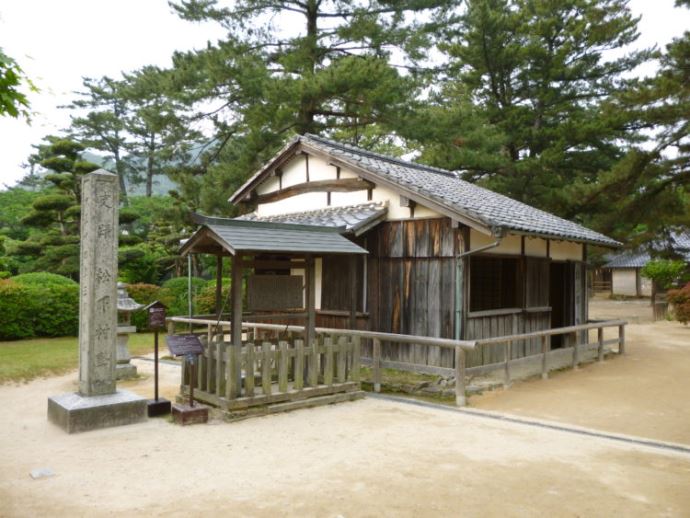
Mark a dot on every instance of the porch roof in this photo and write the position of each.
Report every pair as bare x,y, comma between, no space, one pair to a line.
233,236
354,219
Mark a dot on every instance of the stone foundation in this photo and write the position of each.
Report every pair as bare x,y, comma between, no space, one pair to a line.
75,413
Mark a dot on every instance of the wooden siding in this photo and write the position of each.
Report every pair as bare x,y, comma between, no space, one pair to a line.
411,290
411,283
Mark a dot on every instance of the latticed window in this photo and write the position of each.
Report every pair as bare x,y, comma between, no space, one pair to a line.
494,283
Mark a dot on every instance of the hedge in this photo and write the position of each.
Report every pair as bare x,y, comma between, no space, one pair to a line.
43,279
38,310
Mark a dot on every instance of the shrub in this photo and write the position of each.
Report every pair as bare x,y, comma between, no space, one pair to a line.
681,303
43,279
174,294
206,298
58,310
664,272
17,311
34,309
143,294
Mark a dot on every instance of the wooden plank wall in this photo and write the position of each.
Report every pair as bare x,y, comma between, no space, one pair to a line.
411,285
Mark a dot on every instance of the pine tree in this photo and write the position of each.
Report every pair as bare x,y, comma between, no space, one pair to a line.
102,126
291,67
521,108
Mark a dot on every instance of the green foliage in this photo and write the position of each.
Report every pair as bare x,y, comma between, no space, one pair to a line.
5,274
333,72
15,204
206,298
31,309
664,272
141,262
57,202
681,303
144,294
522,109
174,294
13,100
43,279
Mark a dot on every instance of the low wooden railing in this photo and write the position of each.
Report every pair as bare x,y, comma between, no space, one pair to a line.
579,331
333,363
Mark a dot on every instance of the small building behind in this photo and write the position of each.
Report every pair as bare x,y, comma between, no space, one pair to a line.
625,267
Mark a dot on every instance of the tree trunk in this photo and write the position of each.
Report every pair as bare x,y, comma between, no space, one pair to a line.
121,179
149,167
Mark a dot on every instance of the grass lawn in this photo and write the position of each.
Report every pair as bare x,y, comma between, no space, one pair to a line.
24,360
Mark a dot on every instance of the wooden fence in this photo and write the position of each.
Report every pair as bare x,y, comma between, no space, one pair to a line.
284,368
301,371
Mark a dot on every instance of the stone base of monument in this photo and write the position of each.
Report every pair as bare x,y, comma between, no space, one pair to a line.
184,414
76,413
125,371
158,408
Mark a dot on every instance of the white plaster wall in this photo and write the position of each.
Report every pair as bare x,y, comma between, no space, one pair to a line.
624,282
510,244
565,251
535,247
294,173
270,184
318,266
340,199
298,203
320,170
395,210
645,287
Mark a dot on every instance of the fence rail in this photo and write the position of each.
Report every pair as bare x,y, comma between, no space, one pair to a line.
286,367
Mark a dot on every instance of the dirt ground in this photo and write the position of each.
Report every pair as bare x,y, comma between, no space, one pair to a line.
635,311
374,457
644,393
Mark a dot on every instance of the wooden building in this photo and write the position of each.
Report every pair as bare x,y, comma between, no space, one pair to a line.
624,268
446,258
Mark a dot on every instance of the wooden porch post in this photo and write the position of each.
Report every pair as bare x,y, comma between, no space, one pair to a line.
310,295
219,284
234,389
353,292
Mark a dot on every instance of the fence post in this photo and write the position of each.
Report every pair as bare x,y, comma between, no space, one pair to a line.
621,339
544,353
171,327
576,352
460,399
506,367
266,368
298,383
377,365
354,370
600,348
283,367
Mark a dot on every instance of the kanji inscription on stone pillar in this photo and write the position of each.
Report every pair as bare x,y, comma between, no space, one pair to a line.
98,284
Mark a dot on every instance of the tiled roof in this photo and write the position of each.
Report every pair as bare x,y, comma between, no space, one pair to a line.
352,218
260,236
444,187
678,241
628,260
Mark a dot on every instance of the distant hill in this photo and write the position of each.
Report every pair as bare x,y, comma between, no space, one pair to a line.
161,183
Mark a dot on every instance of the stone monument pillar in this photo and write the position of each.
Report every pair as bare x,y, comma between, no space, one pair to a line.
97,404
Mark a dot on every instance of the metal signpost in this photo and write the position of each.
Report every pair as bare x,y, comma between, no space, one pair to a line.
156,321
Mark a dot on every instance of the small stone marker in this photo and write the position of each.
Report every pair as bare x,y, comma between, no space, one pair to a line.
97,404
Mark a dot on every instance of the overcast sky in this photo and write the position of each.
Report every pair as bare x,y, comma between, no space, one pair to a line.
59,42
